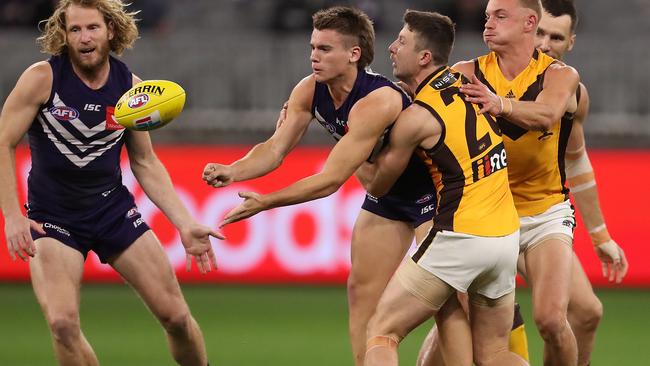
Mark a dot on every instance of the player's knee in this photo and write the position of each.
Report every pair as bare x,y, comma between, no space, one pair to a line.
352,287
589,317
176,322
550,322
65,330
356,289
376,327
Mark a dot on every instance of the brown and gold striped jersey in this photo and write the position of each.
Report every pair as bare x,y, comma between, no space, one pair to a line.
468,164
535,158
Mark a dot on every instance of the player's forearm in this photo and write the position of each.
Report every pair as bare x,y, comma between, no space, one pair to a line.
582,181
260,160
529,115
588,206
8,195
307,189
157,185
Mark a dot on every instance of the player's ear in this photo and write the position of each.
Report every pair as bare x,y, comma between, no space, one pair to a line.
531,22
111,30
355,54
426,57
572,41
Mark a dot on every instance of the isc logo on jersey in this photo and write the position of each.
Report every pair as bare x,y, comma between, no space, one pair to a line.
64,113
149,105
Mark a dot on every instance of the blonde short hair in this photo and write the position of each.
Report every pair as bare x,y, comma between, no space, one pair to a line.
53,37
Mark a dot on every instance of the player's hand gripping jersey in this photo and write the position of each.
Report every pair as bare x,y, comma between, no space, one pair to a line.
535,158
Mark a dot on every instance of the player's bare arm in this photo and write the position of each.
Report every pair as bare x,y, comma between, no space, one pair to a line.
582,180
367,121
268,155
156,183
560,83
31,91
414,128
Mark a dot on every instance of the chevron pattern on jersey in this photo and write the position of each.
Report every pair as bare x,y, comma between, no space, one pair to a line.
74,139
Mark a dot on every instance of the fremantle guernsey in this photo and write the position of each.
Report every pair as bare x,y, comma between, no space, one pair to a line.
415,182
75,142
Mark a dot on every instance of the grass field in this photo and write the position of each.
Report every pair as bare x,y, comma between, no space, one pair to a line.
267,326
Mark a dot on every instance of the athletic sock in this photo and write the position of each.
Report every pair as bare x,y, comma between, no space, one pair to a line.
518,339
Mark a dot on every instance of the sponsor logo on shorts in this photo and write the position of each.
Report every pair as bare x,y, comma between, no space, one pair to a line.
138,101
139,221
106,193
59,229
64,113
372,198
426,198
568,223
427,209
132,213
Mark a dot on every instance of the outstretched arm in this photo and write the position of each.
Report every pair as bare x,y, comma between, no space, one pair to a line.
582,181
367,121
268,155
156,183
31,91
560,83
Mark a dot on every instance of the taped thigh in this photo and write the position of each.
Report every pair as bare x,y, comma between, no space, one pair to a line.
423,284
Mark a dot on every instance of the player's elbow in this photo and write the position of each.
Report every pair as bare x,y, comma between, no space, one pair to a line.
143,164
333,184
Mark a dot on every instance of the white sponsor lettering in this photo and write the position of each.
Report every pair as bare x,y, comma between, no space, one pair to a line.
139,221
59,229
427,209
92,107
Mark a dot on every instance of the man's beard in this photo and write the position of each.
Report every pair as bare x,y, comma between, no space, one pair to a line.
90,67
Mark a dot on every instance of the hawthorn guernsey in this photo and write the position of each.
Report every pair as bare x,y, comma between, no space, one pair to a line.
150,105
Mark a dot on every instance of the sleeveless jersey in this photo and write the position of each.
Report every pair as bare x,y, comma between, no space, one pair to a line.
535,158
468,164
75,142
414,181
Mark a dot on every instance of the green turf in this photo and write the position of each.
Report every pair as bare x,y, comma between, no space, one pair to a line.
267,326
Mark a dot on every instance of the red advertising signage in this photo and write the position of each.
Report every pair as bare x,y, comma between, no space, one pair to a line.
310,243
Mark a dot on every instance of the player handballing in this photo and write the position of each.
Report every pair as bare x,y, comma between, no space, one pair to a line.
357,107
76,199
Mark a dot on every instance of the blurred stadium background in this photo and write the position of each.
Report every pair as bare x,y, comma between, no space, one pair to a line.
279,297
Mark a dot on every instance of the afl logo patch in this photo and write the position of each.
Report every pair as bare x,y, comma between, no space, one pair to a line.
132,213
425,198
64,113
138,101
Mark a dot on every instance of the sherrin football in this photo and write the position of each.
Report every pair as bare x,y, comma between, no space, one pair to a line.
149,105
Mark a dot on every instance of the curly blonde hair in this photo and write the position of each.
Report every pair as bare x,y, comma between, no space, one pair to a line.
125,31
